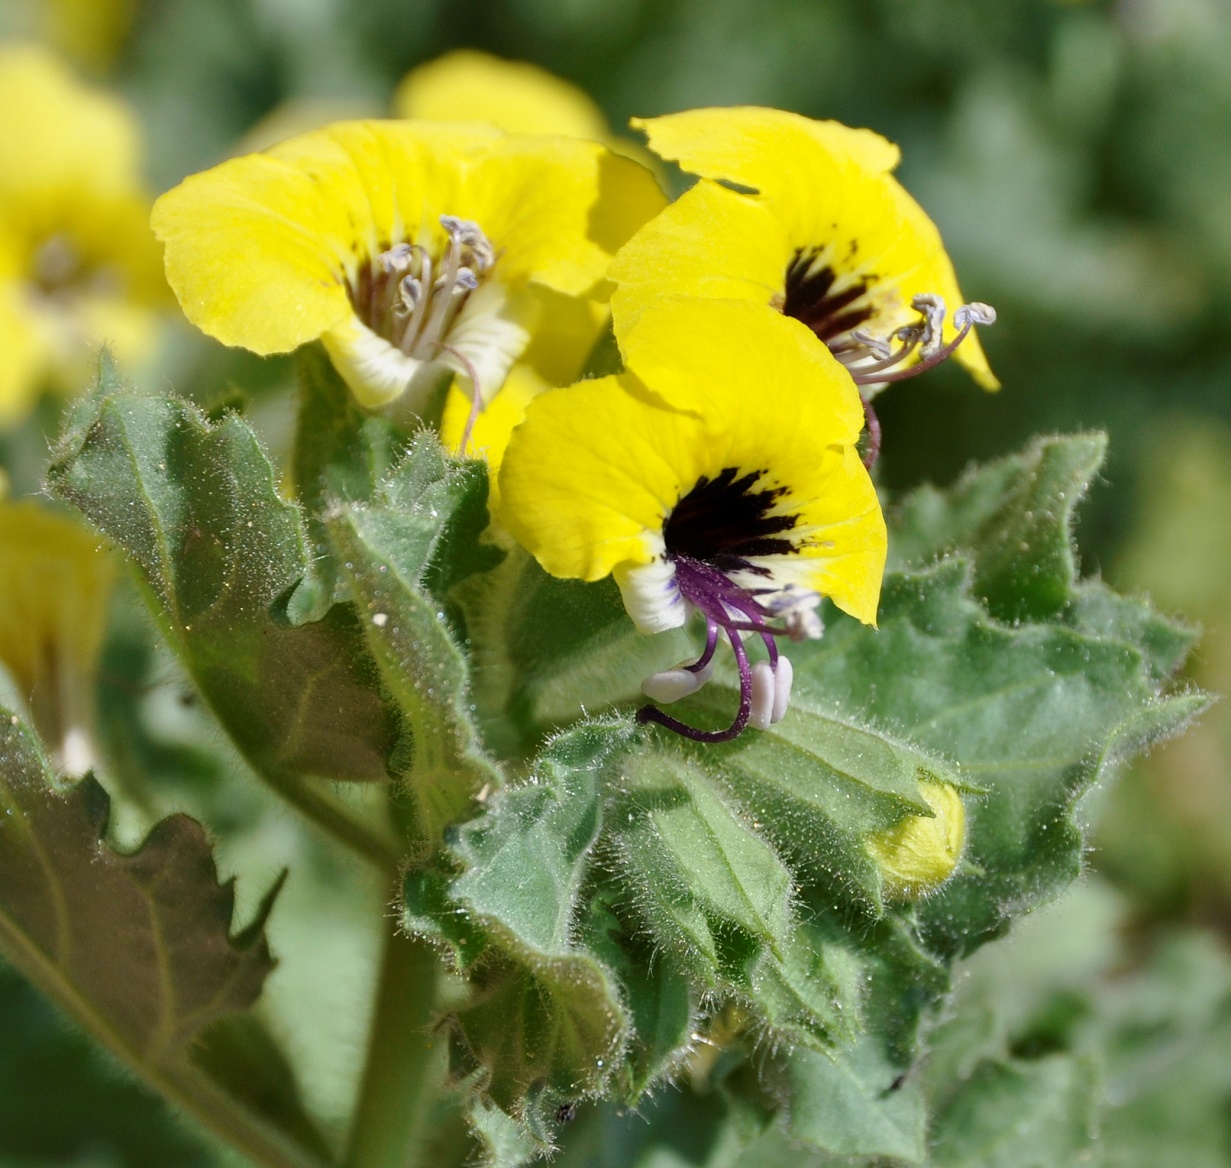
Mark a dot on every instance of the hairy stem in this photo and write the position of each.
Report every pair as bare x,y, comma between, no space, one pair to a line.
405,1061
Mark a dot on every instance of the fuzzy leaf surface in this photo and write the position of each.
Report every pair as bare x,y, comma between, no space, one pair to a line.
1019,1114
138,947
389,553
195,506
546,1013
1033,715
340,455
1016,516
853,1104
548,650
818,783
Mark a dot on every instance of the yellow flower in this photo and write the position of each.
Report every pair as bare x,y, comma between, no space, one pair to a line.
406,247
78,265
819,230
89,31
917,855
471,86
55,588
719,474
519,97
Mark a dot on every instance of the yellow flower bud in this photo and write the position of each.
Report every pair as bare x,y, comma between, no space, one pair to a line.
917,855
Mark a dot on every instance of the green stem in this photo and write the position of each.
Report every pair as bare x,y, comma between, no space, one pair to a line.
325,813
405,1061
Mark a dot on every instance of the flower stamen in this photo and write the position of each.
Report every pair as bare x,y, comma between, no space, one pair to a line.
874,361
765,688
412,299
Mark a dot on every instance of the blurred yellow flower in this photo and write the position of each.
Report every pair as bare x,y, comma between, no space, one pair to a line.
804,217
55,588
472,86
718,475
91,32
408,248
78,265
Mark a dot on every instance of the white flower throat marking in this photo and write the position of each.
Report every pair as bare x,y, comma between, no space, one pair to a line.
412,298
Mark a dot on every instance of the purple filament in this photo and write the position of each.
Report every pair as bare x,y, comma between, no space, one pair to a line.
719,599
882,371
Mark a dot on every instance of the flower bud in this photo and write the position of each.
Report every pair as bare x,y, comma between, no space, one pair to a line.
917,855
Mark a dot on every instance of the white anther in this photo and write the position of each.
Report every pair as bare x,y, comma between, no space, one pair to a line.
797,609
879,347
396,258
764,696
469,234
466,281
411,290
670,685
704,674
976,312
784,675
932,308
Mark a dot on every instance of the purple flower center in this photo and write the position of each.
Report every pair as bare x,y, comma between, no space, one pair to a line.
715,529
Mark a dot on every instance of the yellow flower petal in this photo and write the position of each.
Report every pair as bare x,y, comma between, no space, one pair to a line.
847,248
686,347
757,147
23,355
55,588
593,475
471,86
494,426
78,263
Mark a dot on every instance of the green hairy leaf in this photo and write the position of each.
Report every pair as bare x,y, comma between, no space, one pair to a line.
340,456
170,999
389,553
545,1012
1016,515
195,507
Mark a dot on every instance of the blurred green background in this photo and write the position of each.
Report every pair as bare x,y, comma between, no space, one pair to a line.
1077,158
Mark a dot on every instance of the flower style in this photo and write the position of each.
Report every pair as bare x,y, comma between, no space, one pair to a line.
406,247
487,437
55,588
818,229
78,265
719,475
